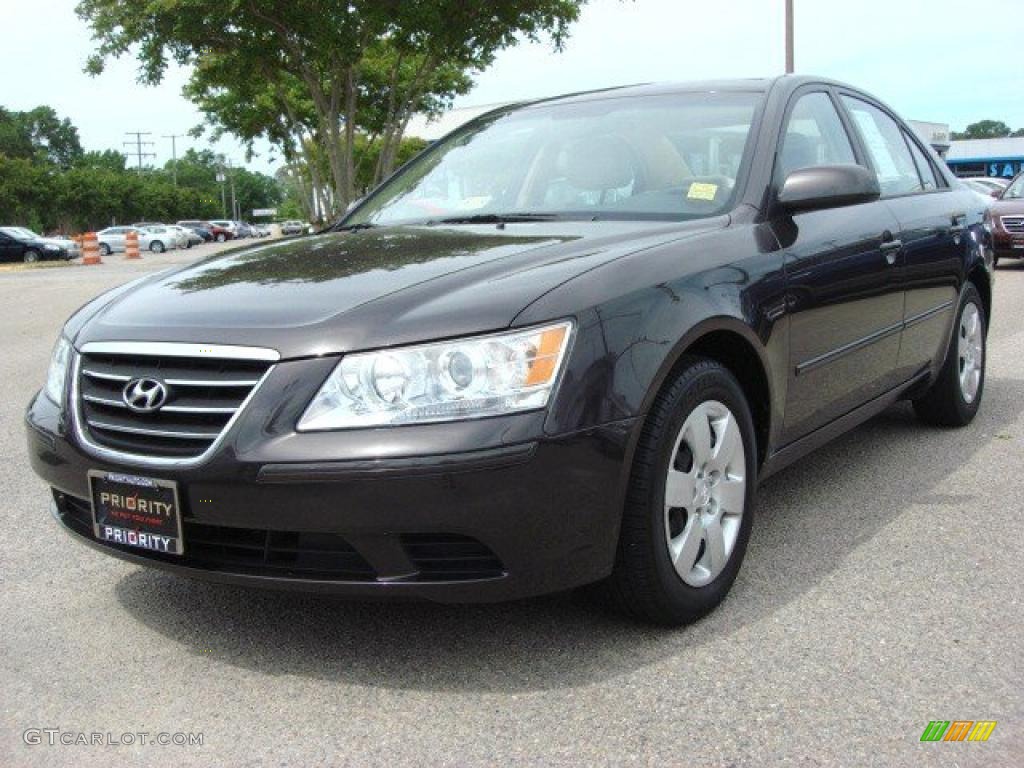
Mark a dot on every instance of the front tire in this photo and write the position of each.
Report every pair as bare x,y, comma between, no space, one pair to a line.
690,503
953,400
156,246
221,238
31,257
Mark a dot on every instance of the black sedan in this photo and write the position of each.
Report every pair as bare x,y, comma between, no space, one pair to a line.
20,244
559,348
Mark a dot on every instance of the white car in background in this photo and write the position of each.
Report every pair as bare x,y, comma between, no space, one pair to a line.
230,226
186,237
155,239
158,239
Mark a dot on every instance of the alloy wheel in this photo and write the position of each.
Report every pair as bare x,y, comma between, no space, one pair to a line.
970,352
705,493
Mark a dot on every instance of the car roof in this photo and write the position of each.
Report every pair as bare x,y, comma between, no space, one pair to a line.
761,85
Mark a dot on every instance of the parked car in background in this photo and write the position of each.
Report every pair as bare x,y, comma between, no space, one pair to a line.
155,239
244,229
158,238
485,383
989,184
263,230
223,230
983,193
1006,221
18,244
201,228
69,245
293,227
187,237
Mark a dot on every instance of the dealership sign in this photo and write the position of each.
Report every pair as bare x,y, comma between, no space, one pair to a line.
264,211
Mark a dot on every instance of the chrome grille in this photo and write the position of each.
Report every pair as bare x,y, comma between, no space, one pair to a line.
1014,224
204,392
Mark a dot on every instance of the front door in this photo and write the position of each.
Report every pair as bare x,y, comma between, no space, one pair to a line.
845,303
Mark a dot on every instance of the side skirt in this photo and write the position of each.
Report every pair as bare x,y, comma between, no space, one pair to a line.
805,445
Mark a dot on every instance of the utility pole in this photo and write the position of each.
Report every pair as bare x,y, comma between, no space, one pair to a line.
223,196
234,202
789,37
174,154
138,144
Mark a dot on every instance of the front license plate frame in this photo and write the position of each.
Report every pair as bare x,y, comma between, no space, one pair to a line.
117,519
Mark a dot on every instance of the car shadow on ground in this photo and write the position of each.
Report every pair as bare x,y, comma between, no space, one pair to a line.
810,518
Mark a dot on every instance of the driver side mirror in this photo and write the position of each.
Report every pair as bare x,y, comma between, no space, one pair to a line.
828,186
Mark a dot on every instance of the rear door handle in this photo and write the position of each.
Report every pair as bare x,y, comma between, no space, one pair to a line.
959,224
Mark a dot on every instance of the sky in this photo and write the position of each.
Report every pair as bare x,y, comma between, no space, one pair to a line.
936,60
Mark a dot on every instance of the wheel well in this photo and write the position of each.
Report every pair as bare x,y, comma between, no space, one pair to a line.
739,356
979,277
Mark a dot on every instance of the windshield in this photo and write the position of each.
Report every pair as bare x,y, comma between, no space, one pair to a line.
1016,189
666,157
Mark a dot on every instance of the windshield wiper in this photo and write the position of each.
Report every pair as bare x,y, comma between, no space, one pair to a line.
495,218
352,227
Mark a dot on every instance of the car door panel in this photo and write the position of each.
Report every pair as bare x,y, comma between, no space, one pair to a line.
846,312
933,258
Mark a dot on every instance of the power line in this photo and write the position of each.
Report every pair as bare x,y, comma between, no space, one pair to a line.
174,154
138,144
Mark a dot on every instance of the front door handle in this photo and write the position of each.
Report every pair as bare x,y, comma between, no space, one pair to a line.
958,224
890,247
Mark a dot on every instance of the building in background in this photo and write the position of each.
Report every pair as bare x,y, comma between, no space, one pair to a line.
935,134
1002,158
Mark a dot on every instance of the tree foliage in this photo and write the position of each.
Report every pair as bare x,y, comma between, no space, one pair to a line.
987,129
321,73
48,182
39,135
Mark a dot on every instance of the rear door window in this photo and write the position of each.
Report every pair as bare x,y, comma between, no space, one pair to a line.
890,156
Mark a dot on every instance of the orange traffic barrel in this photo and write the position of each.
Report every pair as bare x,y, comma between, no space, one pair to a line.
131,245
90,249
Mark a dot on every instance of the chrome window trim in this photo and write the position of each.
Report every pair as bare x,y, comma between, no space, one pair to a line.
169,349
179,349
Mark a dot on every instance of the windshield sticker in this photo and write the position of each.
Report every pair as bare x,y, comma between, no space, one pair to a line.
702,191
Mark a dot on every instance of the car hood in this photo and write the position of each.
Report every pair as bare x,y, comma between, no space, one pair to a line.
1008,207
343,291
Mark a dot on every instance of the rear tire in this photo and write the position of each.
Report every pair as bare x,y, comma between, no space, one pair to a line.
104,249
156,246
954,398
690,503
221,238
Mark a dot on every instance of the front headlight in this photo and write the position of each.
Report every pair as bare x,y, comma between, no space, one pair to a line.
57,374
51,247
446,381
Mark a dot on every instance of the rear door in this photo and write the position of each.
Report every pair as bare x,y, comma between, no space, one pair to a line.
932,218
845,301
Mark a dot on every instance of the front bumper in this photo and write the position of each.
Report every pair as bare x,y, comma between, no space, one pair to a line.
1006,245
499,520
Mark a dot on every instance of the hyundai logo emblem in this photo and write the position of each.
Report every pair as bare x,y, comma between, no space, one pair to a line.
144,395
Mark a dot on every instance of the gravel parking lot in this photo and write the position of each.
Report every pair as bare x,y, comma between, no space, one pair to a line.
881,590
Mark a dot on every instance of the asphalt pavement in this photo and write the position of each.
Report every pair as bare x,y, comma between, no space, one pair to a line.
881,590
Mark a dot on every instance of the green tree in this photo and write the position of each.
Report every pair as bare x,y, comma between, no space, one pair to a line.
984,129
366,64
41,135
